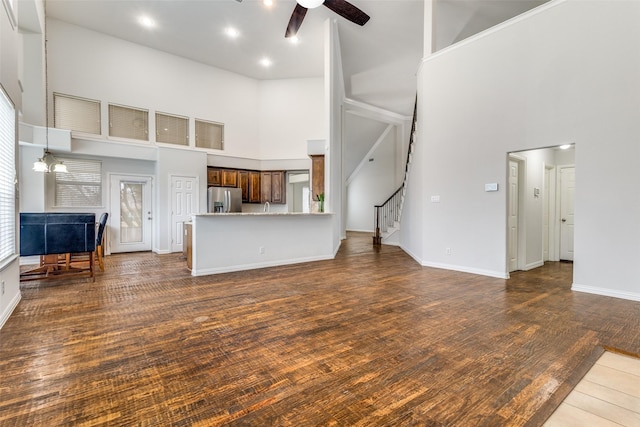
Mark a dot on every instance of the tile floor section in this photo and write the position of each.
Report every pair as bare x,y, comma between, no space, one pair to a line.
608,395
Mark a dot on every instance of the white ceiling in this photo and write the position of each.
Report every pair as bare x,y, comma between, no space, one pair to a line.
380,60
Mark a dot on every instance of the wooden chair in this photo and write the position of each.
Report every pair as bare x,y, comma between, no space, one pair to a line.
100,240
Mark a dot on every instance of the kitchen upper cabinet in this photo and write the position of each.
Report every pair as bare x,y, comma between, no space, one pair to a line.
265,186
229,178
278,189
273,187
243,184
214,177
254,187
219,177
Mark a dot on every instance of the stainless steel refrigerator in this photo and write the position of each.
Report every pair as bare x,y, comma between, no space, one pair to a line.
224,199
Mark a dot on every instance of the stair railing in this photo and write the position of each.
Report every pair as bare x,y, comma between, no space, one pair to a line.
388,213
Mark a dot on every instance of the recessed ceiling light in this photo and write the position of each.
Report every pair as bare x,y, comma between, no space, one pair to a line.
232,32
266,62
267,3
294,40
565,146
146,21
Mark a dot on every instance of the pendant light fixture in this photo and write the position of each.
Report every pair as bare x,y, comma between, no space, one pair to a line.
48,162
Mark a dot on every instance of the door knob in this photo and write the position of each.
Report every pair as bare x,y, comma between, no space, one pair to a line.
564,220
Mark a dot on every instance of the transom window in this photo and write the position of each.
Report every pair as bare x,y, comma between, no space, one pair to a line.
128,122
172,129
76,114
209,135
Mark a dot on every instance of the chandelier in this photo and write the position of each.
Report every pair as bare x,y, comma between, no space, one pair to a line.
48,162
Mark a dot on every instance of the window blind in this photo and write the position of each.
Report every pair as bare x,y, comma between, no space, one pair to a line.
7,177
209,135
77,114
172,129
81,186
127,122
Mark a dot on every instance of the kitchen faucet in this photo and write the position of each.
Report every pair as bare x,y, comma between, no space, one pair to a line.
266,207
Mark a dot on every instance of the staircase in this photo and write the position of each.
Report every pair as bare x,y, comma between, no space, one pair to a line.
387,215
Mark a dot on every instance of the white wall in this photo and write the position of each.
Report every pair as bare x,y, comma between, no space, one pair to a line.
228,242
334,95
93,65
373,184
172,161
541,80
290,112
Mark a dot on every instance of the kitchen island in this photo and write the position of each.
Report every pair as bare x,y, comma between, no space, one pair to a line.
225,242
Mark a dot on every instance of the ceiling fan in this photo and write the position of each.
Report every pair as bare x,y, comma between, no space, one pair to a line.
341,7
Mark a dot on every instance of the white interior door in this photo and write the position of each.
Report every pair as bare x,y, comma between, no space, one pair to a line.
567,190
184,203
130,225
513,216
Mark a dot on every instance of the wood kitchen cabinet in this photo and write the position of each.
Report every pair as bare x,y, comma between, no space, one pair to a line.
187,243
243,184
229,178
273,187
214,177
254,187
219,177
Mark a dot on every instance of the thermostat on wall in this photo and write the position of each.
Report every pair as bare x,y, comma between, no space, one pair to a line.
491,187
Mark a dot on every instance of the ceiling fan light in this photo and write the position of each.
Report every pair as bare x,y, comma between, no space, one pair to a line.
310,4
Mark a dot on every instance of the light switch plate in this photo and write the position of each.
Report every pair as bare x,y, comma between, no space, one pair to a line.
491,187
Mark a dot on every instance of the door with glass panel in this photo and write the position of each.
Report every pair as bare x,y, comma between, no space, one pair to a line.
131,216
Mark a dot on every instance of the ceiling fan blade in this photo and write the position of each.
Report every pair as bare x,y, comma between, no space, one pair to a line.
296,20
348,11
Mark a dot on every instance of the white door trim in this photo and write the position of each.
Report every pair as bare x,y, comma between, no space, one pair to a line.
551,199
522,235
171,200
132,177
558,218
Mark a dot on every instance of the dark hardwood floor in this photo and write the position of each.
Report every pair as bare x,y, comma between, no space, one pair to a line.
367,339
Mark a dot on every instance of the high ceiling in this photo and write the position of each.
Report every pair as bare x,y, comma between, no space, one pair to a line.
380,60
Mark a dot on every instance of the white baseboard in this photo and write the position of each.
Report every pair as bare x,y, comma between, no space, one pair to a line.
12,305
463,269
30,260
533,265
633,296
161,251
243,267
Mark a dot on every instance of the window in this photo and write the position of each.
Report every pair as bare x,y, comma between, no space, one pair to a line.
81,186
77,114
209,135
127,122
172,129
7,177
